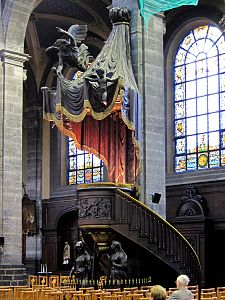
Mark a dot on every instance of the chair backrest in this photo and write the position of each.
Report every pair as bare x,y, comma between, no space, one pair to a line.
27,295
6,294
64,280
53,295
53,281
32,280
43,280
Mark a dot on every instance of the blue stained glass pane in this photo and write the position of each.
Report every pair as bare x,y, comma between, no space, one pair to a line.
212,65
221,63
191,144
194,49
180,146
88,160
96,161
201,32
202,142
223,158
222,120
201,105
80,161
191,108
214,33
72,177
212,52
202,123
80,176
72,162
203,161
214,140
201,68
213,121
213,103
179,110
179,127
213,84
190,71
222,101
214,159
96,174
72,148
188,41
222,82
201,87
191,89
190,58
191,126
200,46
180,57
221,45
223,139
191,162
208,45
179,74
179,92
88,175
180,164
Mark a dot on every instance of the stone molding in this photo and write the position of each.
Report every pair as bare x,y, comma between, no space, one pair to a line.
13,57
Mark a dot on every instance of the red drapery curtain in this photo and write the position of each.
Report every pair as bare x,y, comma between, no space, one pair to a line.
111,141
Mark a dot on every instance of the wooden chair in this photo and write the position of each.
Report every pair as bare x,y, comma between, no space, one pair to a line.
28,295
131,289
53,281
6,294
53,295
113,297
17,289
220,291
134,296
43,280
32,280
100,295
64,280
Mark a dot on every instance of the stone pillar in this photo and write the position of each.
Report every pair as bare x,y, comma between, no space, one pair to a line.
11,112
32,140
147,61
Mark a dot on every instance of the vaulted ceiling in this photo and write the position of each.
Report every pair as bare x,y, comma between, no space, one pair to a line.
50,14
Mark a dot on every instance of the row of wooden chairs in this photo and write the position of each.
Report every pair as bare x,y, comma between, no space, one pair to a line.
40,292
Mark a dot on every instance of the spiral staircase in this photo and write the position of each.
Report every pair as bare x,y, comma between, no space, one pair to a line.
107,209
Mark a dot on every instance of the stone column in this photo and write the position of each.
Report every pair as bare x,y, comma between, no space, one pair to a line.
147,61
11,154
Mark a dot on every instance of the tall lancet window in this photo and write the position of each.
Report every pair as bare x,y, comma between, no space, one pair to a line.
83,166
199,100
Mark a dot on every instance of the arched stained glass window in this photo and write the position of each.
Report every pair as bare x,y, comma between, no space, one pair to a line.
199,99
83,166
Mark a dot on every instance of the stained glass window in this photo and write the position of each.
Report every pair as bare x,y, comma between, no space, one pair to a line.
199,100
83,166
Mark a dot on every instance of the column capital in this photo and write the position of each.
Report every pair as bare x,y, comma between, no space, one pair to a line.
13,57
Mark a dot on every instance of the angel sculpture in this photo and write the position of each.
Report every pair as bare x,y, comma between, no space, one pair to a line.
67,50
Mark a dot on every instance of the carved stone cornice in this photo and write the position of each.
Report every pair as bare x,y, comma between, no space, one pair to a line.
13,57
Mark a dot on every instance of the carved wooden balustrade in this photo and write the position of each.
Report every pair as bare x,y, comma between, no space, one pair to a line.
112,208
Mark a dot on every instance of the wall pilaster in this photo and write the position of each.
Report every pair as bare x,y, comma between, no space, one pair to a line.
12,75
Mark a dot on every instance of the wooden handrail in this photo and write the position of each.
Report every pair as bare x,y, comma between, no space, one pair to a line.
128,210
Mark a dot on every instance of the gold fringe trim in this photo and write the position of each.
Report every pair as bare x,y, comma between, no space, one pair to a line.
83,147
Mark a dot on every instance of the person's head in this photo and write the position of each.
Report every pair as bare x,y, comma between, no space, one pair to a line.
182,281
158,293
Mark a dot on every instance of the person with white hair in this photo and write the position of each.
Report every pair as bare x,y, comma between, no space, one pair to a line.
182,292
